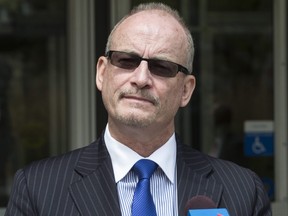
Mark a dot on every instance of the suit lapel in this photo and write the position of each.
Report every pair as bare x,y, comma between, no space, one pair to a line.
195,177
95,193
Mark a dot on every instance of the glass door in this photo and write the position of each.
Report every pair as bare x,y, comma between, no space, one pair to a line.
235,83
32,85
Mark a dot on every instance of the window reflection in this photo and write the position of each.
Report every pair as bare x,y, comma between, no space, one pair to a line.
7,142
32,84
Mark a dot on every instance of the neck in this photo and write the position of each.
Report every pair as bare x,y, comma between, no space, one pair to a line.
144,141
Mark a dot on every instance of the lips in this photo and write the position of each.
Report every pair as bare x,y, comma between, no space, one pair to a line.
144,97
137,98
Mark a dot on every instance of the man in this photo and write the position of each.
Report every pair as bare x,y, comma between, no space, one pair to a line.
144,78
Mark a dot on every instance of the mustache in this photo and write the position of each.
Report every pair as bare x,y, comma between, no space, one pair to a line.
141,93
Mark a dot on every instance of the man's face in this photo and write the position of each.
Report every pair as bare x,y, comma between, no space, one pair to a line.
139,98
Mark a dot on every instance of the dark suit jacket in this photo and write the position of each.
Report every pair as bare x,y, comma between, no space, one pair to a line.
81,182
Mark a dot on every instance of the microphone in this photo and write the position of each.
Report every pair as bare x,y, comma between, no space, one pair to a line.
203,206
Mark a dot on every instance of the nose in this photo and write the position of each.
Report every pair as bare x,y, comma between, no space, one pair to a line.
141,77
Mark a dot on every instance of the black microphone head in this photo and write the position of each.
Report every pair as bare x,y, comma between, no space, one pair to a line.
199,202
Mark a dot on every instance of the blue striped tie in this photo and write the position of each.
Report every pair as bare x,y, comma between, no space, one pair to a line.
142,201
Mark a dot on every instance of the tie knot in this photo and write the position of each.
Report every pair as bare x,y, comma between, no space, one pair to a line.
144,168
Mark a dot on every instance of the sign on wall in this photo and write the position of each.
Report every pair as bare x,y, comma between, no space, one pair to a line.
258,138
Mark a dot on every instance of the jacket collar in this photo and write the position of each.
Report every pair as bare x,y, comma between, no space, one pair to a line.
96,192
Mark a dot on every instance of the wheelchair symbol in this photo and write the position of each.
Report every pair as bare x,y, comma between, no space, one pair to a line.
257,146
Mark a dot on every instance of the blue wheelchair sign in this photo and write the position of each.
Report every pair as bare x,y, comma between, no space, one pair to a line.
256,144
259,138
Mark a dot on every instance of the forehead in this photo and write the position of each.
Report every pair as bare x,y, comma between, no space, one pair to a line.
152,31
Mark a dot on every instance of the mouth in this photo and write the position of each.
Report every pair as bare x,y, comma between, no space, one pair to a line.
138,99
142,98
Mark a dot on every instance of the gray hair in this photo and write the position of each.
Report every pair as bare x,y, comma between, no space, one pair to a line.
168,10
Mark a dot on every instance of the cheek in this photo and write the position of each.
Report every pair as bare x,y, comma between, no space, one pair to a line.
109,82
175,92
172,99
111,85
108,90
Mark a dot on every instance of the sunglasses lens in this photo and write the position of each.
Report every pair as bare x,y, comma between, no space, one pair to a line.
124,60
163,68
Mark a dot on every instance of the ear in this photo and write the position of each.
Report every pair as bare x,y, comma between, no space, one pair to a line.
189,86
100,72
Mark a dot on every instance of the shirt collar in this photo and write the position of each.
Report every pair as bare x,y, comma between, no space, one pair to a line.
123,158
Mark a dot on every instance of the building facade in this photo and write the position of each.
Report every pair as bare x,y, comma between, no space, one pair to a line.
49,103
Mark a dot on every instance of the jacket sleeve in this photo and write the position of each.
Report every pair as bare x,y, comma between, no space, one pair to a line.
262,202
19,202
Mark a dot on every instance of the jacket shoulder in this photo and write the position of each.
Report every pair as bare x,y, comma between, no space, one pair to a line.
56,167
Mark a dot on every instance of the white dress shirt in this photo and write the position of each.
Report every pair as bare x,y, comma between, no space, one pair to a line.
163,182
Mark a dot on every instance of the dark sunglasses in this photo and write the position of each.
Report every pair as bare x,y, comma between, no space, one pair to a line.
130,61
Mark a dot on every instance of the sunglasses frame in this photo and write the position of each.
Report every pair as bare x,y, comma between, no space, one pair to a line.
180,68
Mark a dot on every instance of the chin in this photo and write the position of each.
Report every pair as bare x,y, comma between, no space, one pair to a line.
135,121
